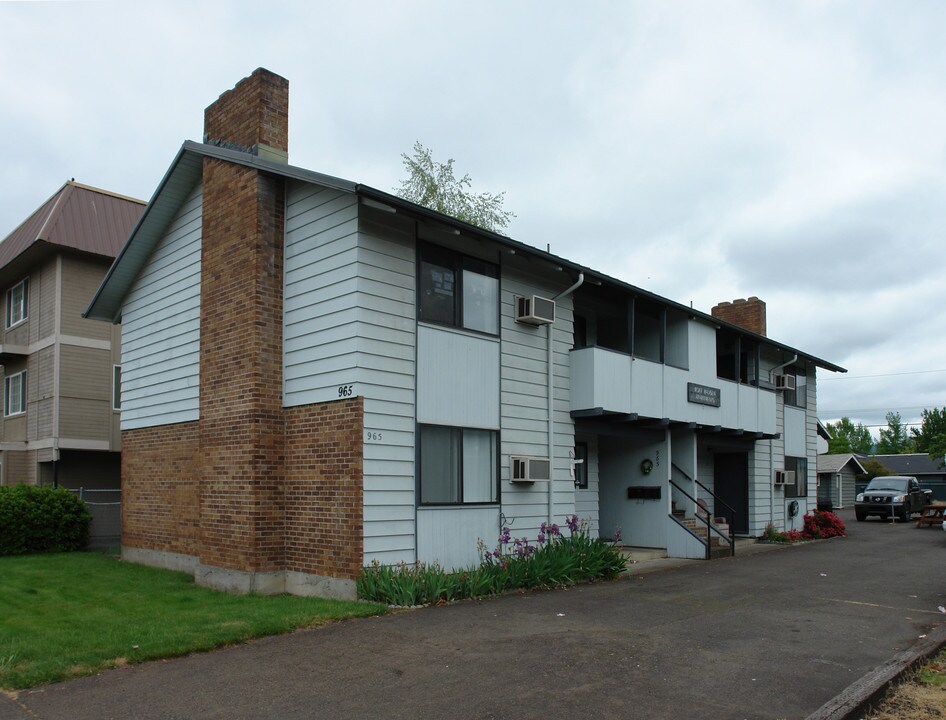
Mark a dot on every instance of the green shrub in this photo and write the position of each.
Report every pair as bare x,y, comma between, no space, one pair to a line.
554,561
41,519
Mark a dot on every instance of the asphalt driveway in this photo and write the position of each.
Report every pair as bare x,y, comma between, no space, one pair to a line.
764,635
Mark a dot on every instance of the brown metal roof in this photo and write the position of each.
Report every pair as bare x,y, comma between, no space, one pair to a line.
78,217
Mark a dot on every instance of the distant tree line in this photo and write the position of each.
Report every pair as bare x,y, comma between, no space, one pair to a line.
895,439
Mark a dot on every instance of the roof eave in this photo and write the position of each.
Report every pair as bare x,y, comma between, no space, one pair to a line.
301,174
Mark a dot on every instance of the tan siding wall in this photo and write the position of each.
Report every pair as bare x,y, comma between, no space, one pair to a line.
85,373
84,419
39,394
81,277
19,467
43,303
85,405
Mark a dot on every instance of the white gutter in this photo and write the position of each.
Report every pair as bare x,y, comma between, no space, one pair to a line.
551,399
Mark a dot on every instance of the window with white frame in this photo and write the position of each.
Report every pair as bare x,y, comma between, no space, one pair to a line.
14,394
458,466
17,302
116,387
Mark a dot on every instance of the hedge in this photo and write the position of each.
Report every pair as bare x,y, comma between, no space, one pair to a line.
41,519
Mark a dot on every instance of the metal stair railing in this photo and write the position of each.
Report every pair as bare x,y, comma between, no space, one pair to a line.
707,520
717,501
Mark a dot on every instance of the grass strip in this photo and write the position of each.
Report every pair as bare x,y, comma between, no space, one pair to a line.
72,614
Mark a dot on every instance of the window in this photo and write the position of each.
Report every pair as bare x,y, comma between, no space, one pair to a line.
14,394
17,302
581,468
458,466
727,352
116,387
800,488
458,291
799,396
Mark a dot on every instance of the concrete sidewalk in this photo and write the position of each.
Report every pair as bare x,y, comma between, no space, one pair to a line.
767,634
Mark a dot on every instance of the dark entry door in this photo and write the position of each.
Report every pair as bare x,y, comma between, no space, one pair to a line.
731,474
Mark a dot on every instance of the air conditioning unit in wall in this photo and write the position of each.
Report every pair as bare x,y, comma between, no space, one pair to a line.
529,469
784,382
784,477
535,310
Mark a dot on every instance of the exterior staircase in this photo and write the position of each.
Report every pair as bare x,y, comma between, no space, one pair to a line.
698,528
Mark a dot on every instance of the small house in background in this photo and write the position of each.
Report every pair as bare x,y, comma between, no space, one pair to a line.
836,480
61,372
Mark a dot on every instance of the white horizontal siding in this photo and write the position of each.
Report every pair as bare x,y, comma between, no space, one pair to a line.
320,329
161,328
524,405
386,352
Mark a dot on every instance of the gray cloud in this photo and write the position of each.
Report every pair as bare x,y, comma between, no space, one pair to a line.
704,151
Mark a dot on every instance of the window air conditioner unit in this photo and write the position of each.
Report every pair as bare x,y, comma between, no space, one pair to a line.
784,477
784,382
529,469
535,310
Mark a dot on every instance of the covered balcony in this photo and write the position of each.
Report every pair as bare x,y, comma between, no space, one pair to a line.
609,382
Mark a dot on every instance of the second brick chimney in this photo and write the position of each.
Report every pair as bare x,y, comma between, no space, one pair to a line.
748,314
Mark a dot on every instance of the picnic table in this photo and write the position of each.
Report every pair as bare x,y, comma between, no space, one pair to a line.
931,514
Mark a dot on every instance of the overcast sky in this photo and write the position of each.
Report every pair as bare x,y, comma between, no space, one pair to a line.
703,151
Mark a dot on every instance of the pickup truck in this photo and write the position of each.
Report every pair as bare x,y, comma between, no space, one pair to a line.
897,495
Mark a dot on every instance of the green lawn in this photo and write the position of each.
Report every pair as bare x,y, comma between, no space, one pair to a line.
74,614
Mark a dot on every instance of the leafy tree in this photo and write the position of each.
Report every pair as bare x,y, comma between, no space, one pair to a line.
894,438
931,436
434,185
874,468
846,437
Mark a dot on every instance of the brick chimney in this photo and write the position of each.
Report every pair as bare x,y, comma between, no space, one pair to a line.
748,314
253,116
241,425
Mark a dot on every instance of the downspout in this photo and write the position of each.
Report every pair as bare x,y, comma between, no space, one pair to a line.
771,451
771,485
783,365
551,400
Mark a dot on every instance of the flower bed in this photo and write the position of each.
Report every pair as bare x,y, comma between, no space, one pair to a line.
554,560
816,525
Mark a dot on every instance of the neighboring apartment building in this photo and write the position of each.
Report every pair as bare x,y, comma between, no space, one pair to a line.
60,411
319,375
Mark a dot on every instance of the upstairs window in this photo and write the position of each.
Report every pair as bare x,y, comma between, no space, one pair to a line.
17,303
14,394
458,291
799,396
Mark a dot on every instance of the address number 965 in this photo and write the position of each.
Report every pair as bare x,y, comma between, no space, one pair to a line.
346,390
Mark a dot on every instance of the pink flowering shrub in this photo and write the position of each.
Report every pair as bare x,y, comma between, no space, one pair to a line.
822,524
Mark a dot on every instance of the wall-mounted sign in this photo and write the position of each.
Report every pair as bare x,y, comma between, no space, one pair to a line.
702,394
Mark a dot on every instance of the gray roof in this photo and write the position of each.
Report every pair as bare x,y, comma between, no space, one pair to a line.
185,172
912,464
835,463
